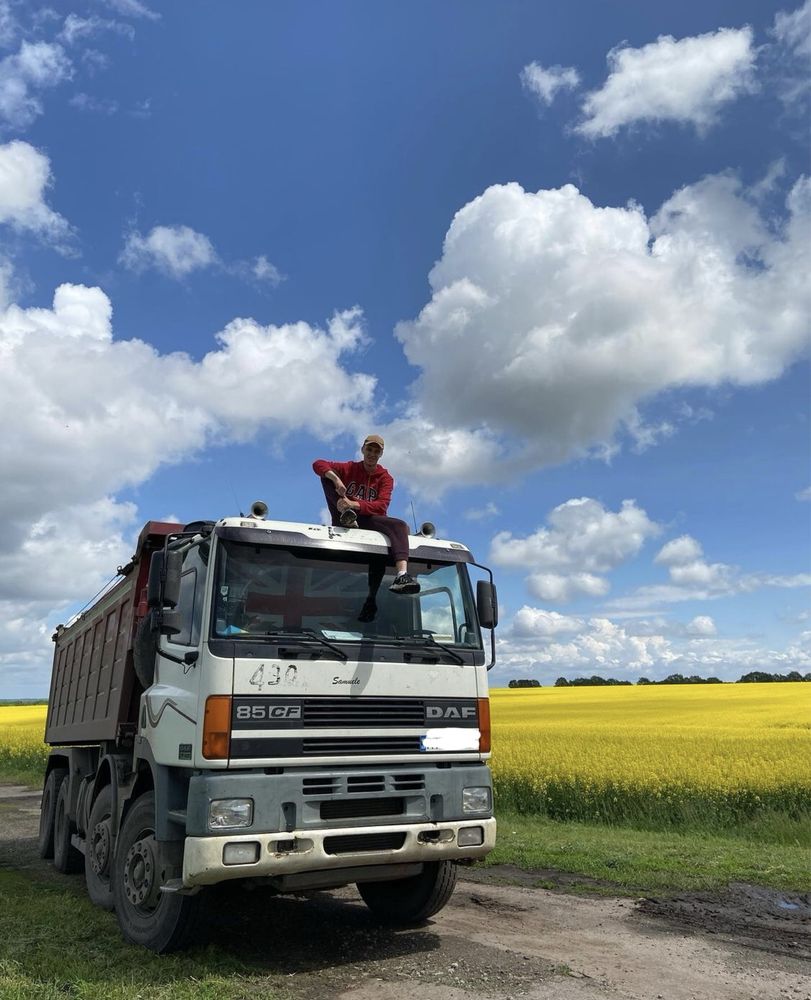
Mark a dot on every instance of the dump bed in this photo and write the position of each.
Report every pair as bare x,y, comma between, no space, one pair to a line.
94,691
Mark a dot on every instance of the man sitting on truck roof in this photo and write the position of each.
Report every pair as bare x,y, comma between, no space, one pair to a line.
358,495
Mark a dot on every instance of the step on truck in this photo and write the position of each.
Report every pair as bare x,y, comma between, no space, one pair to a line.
221,713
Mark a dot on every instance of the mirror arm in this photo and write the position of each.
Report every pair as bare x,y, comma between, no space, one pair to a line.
186,660
489,573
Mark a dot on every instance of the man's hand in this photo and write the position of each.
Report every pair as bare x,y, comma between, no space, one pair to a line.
344,504
340,489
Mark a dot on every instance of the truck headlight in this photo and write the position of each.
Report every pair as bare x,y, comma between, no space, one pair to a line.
230,814
476,800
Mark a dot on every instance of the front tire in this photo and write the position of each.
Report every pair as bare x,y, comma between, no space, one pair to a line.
98,859
47,811
412,900
162,922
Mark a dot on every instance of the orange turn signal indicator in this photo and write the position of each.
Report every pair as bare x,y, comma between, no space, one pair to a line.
483,708
217,727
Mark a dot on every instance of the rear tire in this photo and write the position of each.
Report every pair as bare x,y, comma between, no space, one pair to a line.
98,859
162,922
66,858
411,900
47,811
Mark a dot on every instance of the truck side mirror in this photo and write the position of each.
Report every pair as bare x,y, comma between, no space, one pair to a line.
171,582
163,586
153,587
487,603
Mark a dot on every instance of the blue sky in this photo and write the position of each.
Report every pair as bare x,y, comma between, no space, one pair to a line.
556,254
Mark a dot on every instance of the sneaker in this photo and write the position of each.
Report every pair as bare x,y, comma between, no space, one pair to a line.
368,612
349,519
404,584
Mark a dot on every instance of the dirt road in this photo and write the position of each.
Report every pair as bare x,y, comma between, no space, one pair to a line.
499,940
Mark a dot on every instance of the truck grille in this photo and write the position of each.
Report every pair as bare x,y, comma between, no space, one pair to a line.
375,712
361,808
360,744
364,784
353,843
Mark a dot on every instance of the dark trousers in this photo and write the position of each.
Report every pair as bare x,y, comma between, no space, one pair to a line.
395,530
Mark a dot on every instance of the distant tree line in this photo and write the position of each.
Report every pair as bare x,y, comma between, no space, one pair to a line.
593,681
753,677
761,677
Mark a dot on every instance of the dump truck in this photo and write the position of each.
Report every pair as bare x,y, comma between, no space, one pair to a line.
221,713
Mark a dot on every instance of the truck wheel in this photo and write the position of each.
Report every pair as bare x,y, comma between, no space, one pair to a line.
99,850
411,900
47,811
66,858
159,921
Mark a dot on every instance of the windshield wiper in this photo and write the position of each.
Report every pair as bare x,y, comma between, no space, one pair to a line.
304,636
420,640
432,641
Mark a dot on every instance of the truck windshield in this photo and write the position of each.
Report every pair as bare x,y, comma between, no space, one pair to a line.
267,591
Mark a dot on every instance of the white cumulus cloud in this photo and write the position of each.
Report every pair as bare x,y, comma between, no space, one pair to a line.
175,250
542,644
544,83
558,588
537,622
552,321
77,28
701,625
791,55
583,542
481,513
685,561
263,271
133,8
692,578
36,66
25,176
685,80
178,251
92,417
9,26
793,30
93,105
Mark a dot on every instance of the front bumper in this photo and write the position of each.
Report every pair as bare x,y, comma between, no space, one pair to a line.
305,850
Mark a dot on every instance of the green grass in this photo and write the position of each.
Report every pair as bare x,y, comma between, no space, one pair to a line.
647,861
54,944
30,772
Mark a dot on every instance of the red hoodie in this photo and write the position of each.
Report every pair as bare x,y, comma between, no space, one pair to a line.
372,490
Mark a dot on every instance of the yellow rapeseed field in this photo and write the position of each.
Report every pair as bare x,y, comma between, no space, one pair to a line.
708,754
705,755
21,730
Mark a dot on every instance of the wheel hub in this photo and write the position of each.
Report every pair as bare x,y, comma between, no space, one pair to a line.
140,882
100,847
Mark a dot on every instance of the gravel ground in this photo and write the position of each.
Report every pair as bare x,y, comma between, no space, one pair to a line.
500,937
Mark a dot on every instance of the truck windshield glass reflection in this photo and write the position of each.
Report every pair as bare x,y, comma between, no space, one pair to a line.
261,590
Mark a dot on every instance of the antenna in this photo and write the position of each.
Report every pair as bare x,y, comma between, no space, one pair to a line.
414,516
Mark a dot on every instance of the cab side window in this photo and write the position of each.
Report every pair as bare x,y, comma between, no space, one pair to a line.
190,605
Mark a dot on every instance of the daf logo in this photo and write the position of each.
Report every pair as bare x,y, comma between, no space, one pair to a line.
450,712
